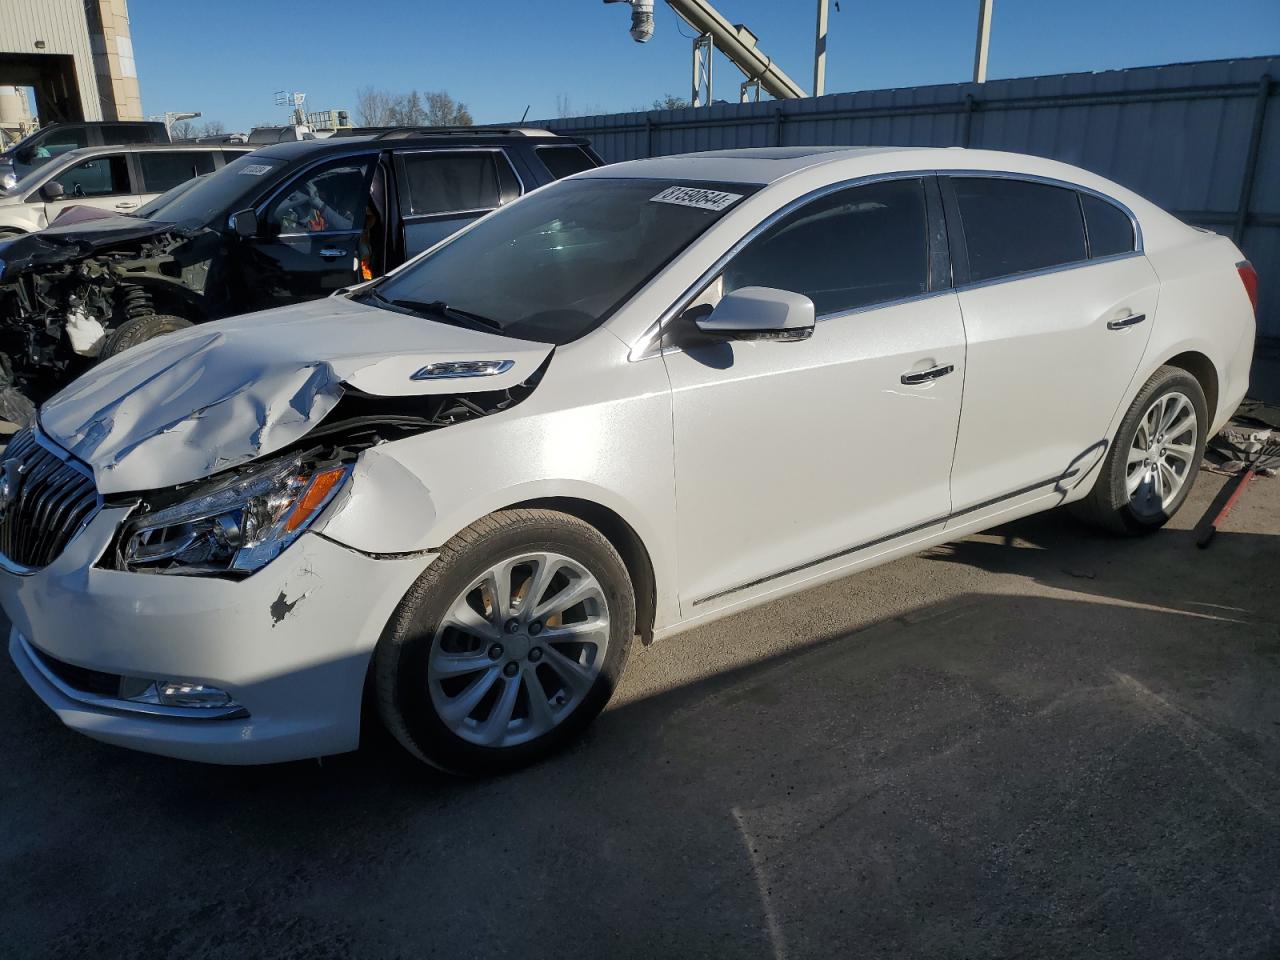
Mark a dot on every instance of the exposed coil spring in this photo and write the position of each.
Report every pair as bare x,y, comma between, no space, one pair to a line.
137,302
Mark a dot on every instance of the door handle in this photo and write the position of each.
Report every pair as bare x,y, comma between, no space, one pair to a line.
1129,321
924,376
330,253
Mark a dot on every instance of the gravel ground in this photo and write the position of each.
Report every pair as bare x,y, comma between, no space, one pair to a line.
1035,742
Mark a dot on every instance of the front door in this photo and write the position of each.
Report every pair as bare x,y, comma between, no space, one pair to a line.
310,237
793,458
1057,318
101,182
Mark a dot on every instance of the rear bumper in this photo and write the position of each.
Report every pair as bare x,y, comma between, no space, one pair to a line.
290,644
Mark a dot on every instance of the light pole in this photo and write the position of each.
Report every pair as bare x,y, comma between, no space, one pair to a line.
820,51
984,41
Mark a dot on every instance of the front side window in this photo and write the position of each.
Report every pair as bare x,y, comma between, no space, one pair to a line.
163,171
558,263
851,249
331,198
97,177
1110,229
212,198
1015,226
451,182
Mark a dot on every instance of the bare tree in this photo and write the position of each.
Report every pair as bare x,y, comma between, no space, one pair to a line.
214,128
444,111
182,130
373,107
564,107
670,102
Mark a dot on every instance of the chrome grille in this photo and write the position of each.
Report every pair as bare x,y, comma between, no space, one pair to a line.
45,500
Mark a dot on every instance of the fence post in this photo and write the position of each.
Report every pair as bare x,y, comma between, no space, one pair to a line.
777,126
1251,159
970,105
648,136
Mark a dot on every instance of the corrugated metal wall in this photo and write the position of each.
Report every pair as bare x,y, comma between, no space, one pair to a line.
62,26
1200,139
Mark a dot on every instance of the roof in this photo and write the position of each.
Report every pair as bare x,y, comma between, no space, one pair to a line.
478,137
751,165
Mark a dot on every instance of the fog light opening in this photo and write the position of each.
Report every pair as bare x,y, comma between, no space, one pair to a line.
191,694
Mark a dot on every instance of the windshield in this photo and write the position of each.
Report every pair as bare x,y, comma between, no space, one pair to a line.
159,203
215,196
556,264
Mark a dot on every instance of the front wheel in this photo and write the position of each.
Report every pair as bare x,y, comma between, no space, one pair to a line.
508,644
140,330
1150,469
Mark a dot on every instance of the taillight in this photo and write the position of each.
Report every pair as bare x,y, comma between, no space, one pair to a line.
1249,277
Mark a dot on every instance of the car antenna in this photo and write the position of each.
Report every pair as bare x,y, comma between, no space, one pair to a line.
526,112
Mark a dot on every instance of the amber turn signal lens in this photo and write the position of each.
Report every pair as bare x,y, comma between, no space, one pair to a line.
316,494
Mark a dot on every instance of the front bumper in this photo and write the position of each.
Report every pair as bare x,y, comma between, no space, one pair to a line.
291,644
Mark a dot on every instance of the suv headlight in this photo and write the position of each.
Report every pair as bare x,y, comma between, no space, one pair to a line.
235,526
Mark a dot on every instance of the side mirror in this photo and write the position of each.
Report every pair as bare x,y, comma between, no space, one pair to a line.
244,223
52,190
760,313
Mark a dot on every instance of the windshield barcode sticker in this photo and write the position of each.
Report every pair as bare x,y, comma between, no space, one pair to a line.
695,197
255,169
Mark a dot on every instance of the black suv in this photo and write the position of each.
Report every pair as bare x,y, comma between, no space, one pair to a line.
288,222
57,138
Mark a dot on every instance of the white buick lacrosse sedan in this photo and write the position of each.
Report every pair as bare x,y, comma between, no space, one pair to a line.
634,401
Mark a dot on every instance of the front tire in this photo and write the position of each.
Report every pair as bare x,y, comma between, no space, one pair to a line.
140,330
508,645
1150,469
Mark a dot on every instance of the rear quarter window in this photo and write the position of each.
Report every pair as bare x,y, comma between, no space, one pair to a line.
565,161
1110,229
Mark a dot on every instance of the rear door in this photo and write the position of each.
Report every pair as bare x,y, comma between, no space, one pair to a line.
310,236
441,191
1057,318
163,170
103,181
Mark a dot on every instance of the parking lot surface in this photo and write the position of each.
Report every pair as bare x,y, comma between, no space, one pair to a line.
1035,742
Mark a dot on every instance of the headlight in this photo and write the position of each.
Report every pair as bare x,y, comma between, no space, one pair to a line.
236,526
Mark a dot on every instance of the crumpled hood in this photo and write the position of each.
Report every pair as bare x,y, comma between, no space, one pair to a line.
189,404
74,240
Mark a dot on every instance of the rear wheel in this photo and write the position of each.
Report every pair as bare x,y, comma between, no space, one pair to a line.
140,330
509,643
1150,469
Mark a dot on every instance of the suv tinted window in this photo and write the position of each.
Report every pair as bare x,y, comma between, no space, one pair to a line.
857,247
1110,229
113,133
163,171
448,182
97,177
565,161
1012,226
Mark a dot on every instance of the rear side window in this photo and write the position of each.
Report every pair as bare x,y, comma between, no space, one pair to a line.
451,182
1110,229
164,171
127,133
565,161
98,177
1015,226
854,248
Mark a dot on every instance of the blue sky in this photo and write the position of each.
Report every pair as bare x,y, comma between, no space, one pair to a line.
228,58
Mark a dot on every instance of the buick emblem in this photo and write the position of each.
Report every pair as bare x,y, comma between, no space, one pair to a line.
10,482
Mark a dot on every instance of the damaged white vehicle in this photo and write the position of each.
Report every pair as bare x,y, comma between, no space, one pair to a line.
629,403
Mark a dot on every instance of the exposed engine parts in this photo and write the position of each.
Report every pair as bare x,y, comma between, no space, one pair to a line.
59,308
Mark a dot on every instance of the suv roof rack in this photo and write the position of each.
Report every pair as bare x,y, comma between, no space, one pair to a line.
396,133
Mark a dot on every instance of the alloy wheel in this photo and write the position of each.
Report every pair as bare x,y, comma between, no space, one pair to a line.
519,649
1161,455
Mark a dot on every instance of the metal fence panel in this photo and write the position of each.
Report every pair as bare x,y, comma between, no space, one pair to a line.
1199,139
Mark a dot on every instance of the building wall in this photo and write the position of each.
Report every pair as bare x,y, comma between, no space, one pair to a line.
113,59
61,24
1184,135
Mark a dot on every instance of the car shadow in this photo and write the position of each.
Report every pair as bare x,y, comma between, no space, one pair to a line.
1084,767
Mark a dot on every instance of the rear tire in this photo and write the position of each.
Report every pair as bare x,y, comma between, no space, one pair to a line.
140,330
1151,467
473,686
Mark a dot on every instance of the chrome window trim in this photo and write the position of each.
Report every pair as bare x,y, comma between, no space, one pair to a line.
1046,271
318,233
648,344
457,148
123,706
